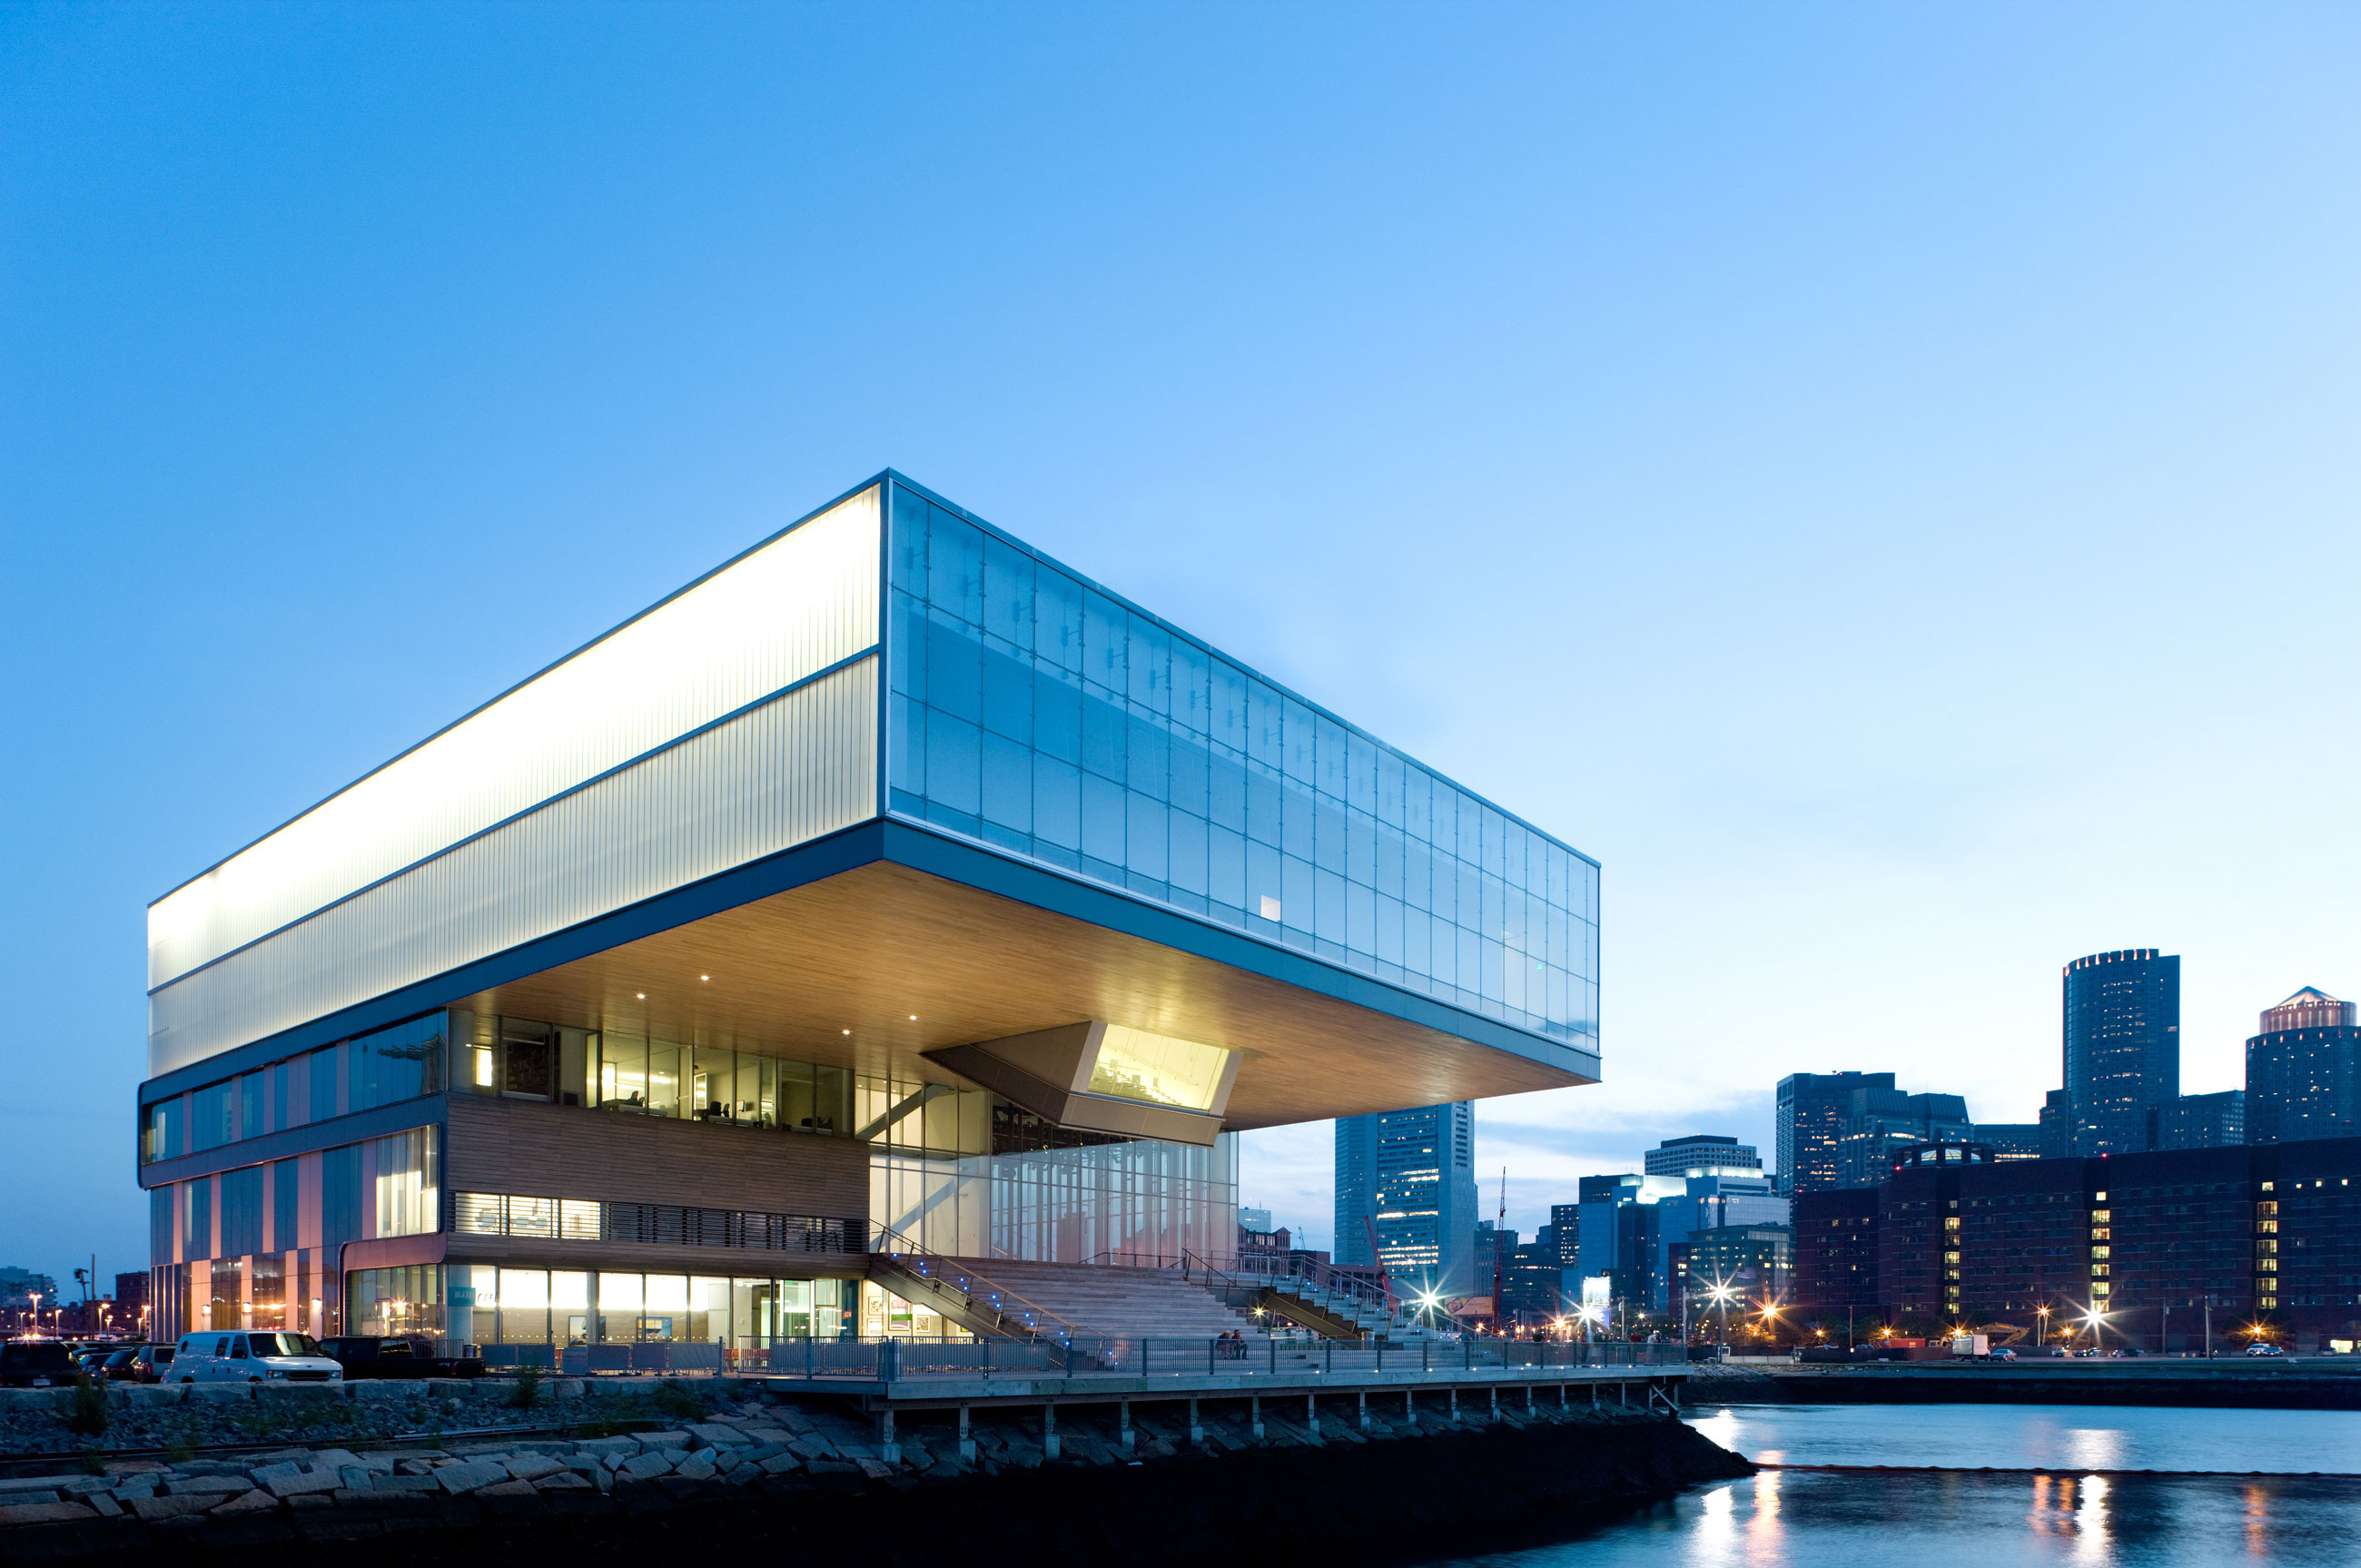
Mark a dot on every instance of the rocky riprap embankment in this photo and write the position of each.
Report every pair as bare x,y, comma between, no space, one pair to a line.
208,1415
765,1472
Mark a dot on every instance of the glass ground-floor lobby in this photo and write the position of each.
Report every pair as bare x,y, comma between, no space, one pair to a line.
527,1314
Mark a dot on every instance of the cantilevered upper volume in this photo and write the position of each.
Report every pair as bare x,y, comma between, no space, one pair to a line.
892,792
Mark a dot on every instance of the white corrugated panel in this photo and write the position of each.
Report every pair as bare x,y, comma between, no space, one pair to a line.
805,601
800,766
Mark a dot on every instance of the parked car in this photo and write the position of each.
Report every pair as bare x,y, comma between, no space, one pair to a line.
2126,1352
369,1355
116,1367
2003,1353
151,1363
217,1357
35,1364
2259,1348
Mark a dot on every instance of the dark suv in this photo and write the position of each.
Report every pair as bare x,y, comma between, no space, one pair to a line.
367,1356
35,1364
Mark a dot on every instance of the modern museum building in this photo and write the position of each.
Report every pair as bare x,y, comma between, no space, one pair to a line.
890,887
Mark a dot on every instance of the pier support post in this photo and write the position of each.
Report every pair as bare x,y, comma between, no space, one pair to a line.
966,1439
1528,1399
1311,1414
1049,1429
1363,1412
1561,1397
1455,1406
888,1450
1495,1392
1196,1429
1410,1407
1122,1420
1254,1413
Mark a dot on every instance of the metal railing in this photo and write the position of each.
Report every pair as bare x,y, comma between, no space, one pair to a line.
1115,1356
983,1295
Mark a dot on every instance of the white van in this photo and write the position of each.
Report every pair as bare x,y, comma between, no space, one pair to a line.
241,1357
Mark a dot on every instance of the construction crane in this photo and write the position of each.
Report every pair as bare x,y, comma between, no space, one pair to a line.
1499,1229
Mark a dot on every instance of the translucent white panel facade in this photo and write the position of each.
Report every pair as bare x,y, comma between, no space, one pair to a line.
784,612
794,769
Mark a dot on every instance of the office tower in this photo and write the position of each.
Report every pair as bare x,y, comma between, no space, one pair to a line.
1878,1121
2123,1046
1565,1230
2010,1140
1631,1226
1811,1125
1703,1154
1409,1176
2056,1126
2202,1122
2301,1075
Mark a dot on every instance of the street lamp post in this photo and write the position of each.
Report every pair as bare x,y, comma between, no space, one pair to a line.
2041,1330
1720,1294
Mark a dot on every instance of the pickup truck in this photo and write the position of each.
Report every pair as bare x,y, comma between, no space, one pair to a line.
366,1356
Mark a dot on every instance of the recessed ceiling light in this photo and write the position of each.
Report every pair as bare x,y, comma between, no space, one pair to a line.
644,996
704,977
847,1031
914,1017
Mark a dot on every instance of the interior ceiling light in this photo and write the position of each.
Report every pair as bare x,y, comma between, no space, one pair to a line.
847,1031
644,996
914,1017
704,977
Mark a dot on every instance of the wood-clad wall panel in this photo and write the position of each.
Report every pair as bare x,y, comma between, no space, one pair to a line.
553,1151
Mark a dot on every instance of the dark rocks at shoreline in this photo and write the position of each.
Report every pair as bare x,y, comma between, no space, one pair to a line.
818,1474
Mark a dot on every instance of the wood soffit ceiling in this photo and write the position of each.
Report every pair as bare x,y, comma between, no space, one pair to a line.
866,949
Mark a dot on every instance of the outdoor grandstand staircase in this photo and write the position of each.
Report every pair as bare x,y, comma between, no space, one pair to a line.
1340,1307
1115,1300
960,1293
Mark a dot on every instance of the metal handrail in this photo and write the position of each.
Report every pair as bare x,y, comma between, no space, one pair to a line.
900,1358
929,1260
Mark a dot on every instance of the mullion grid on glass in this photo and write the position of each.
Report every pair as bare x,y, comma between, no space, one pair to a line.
1036,714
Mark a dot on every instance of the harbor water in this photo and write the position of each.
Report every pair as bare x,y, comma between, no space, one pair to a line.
1993,1485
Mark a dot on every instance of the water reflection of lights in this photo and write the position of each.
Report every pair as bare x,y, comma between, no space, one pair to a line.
2259,1522
1763,1533
2074,1506
1716,1525
2095,1542
1722,1427
2094,1448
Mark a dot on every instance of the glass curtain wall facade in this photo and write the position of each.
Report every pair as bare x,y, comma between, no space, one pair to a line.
964,1177
1033,711
2122,1046
257,1247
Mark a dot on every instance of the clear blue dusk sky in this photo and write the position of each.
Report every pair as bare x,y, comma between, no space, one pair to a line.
1880,478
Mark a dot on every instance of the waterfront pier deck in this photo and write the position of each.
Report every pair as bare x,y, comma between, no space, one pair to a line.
1435,1381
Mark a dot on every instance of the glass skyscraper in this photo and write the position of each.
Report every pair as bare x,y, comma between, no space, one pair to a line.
1407,1178
1812,1111
2122,1047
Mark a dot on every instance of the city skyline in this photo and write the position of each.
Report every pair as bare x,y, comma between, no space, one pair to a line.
1844,471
